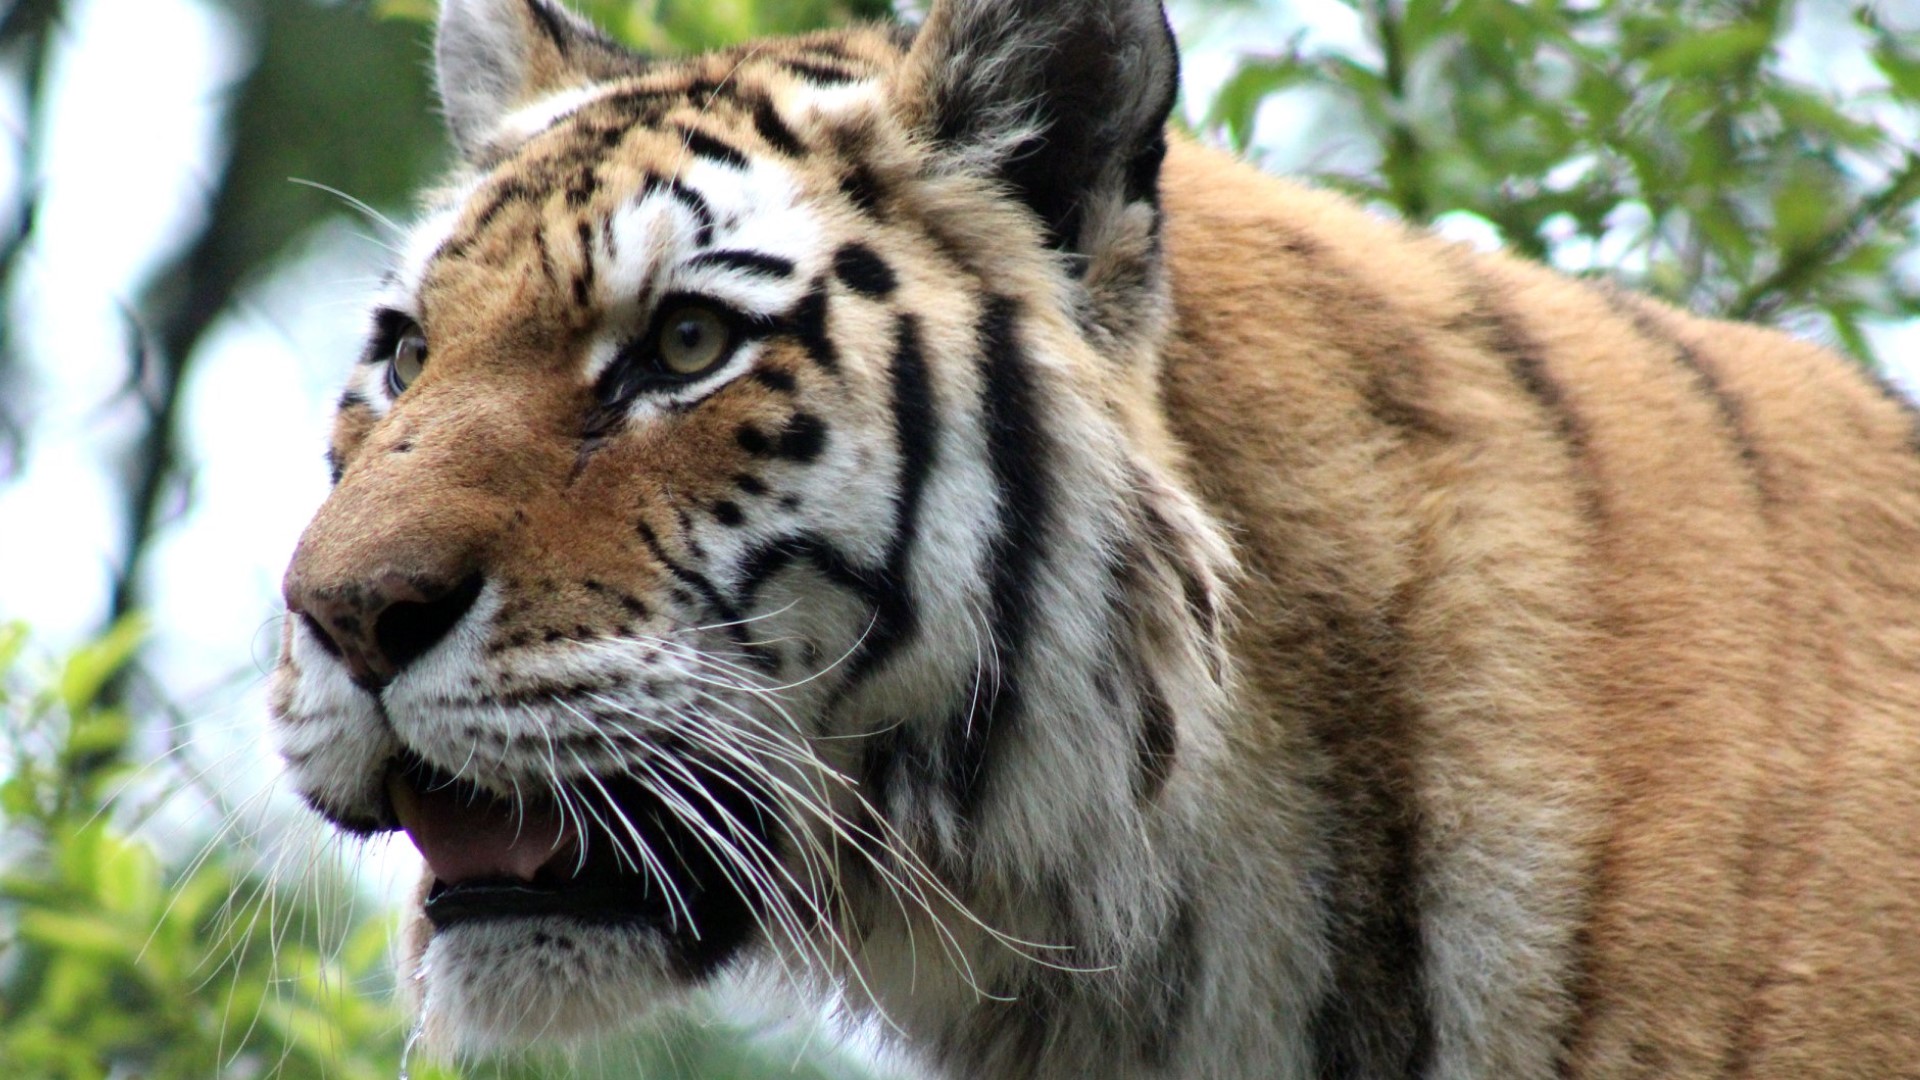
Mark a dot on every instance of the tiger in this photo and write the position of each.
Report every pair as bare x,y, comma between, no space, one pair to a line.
880,520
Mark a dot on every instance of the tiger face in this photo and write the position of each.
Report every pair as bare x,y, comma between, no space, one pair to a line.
731,433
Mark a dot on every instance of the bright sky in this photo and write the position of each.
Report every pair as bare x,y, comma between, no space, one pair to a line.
125,173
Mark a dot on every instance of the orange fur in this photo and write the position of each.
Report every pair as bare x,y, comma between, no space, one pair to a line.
1712,664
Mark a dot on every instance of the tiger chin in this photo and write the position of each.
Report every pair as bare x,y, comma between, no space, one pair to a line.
875,511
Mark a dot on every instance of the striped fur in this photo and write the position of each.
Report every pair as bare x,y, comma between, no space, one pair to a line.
1111,613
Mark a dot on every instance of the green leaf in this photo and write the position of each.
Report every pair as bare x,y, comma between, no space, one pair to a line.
13,639
1711,52
97,732
414,10
92,664
1807,112
1236,107
129,883
1901,68
1802,211
78,934
20,793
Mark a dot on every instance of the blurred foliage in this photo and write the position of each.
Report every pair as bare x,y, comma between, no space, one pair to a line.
1671,138
117,961
26,44
680,26
119,958
331,97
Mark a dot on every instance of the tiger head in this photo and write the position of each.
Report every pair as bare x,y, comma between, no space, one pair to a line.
752,535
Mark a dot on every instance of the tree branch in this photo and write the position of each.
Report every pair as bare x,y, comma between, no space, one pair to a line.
1403,150
1763,299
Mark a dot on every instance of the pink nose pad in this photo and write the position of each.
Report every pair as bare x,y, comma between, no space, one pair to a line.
379,626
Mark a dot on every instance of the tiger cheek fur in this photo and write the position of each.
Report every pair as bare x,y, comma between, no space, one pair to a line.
869,510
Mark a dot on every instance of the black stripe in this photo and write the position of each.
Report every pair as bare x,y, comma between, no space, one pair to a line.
916,430
1156,744
774,130
881,761
1020,454
758,263
1527,365
1529,369
581,187
583,281
700,585
780,382
966,744
1169,987
1733,416
822,73
766,560
1199,600
549,24
695,203
627,601
687,534
704,145
640,106
548,270
504,194
864,272
802,439
807,322
1372,1021
703,92
864,190
1395,366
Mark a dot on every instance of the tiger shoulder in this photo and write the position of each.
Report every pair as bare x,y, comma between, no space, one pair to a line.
873,518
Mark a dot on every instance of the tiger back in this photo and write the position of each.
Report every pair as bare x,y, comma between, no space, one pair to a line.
873,517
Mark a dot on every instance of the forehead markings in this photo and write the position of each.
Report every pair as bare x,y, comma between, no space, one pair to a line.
745,248
603,115
821,73
722,169
565,139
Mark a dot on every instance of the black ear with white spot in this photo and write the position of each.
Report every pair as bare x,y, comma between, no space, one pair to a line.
1064,101
494,56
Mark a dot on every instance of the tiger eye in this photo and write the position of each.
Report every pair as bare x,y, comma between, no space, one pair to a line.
409,359
693,340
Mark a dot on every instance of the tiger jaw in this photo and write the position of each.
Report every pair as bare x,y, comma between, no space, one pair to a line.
638,850
636,855
620,814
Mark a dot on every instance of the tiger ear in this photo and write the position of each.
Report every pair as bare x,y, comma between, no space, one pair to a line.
494,56
1063,101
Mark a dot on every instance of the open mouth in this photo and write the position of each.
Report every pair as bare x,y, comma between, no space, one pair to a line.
661,851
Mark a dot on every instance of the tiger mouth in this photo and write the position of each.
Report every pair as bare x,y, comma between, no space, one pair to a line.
664,853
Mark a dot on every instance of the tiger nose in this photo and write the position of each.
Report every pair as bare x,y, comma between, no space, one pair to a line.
378,626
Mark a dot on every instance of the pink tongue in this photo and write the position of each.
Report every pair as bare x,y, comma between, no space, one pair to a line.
464,841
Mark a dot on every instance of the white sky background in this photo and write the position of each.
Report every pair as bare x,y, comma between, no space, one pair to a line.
136,113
